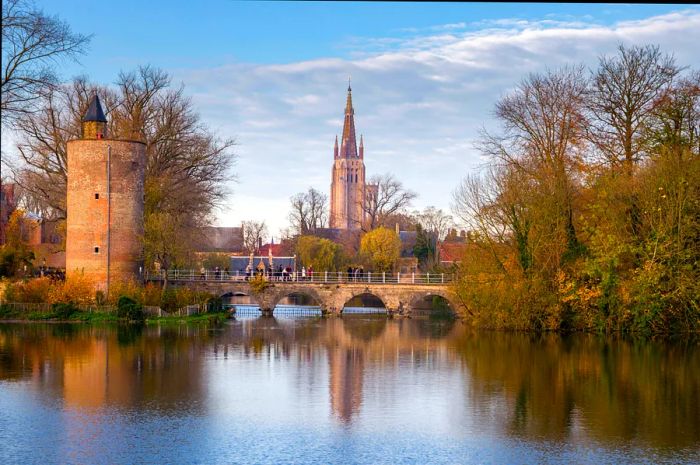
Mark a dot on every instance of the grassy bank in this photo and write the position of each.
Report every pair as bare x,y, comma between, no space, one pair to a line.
69,313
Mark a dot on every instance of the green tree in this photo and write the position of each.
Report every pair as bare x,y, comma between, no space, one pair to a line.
381,247
321,254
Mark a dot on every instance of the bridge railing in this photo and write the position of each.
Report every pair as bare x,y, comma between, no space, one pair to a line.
315,277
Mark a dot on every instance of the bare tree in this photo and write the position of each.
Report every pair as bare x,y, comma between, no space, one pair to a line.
676,116
384,196
42,145
435,221
32,43
187,167
621,100
309,211
253,233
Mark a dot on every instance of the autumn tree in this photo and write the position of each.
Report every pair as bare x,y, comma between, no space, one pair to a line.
381,247
321,254
561,241
384,197
541,147
32,44
309,211
15,253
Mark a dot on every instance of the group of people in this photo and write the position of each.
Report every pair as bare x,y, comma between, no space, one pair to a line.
218,273
281,274
355,274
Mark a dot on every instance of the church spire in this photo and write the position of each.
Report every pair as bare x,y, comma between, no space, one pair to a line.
335,147
362,147
348,147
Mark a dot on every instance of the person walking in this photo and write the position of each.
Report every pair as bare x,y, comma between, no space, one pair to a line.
303,273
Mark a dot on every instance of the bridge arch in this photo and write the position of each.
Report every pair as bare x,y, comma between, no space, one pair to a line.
364,293
421,297
275,295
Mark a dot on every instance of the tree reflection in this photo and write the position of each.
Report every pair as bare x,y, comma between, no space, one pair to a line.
578,387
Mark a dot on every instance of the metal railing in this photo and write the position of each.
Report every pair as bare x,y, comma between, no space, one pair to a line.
315,277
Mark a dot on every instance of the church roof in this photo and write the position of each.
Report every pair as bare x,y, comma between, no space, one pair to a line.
94,111
348,146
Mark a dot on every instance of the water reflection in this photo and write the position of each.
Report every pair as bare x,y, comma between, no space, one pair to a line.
370,373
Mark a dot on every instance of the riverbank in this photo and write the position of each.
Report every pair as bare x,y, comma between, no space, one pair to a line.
58,315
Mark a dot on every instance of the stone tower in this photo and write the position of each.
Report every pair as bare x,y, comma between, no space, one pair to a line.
105,201
348,176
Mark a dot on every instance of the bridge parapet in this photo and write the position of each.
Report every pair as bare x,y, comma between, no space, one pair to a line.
324,277
398,298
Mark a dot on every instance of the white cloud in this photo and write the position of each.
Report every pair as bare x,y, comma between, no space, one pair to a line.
419,101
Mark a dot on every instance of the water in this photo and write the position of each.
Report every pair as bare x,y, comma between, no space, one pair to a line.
358,389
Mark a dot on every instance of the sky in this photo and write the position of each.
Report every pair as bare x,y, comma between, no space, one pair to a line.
425,77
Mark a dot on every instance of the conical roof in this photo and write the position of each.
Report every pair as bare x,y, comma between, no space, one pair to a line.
94,111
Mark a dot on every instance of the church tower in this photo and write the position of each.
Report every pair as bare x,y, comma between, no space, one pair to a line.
348,175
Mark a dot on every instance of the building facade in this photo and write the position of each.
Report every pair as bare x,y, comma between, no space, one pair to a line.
348,188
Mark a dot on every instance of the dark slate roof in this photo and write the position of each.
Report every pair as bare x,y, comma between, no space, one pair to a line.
94,111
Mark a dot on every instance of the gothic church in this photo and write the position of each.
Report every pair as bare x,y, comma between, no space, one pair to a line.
348,189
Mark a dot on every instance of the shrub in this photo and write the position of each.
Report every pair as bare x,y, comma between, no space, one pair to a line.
30,291
215,305
64,311
258,284
78,289
130,309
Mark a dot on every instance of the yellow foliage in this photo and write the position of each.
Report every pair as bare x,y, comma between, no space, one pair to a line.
30,291
77,288
382,248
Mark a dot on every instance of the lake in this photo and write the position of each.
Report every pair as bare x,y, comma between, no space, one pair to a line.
357,389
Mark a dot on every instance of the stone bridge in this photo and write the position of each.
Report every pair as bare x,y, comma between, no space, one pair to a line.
398,298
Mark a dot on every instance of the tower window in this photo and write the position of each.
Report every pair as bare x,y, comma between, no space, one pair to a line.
355,177
97,249
97,196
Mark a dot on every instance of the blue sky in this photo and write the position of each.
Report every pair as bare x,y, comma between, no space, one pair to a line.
425,77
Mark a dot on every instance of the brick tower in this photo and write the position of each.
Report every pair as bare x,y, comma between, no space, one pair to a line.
348,176
105,201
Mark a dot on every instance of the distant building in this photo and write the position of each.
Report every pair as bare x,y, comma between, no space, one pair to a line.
7,206
348,188
451,251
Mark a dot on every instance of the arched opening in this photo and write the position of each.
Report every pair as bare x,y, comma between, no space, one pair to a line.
240,304
364,303
297,304
433,306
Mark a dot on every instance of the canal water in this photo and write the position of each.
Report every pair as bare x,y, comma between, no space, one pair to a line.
361,389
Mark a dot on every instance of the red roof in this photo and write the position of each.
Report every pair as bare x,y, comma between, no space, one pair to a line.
452,251
276,249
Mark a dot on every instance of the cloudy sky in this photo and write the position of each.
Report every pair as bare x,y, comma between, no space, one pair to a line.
425,77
